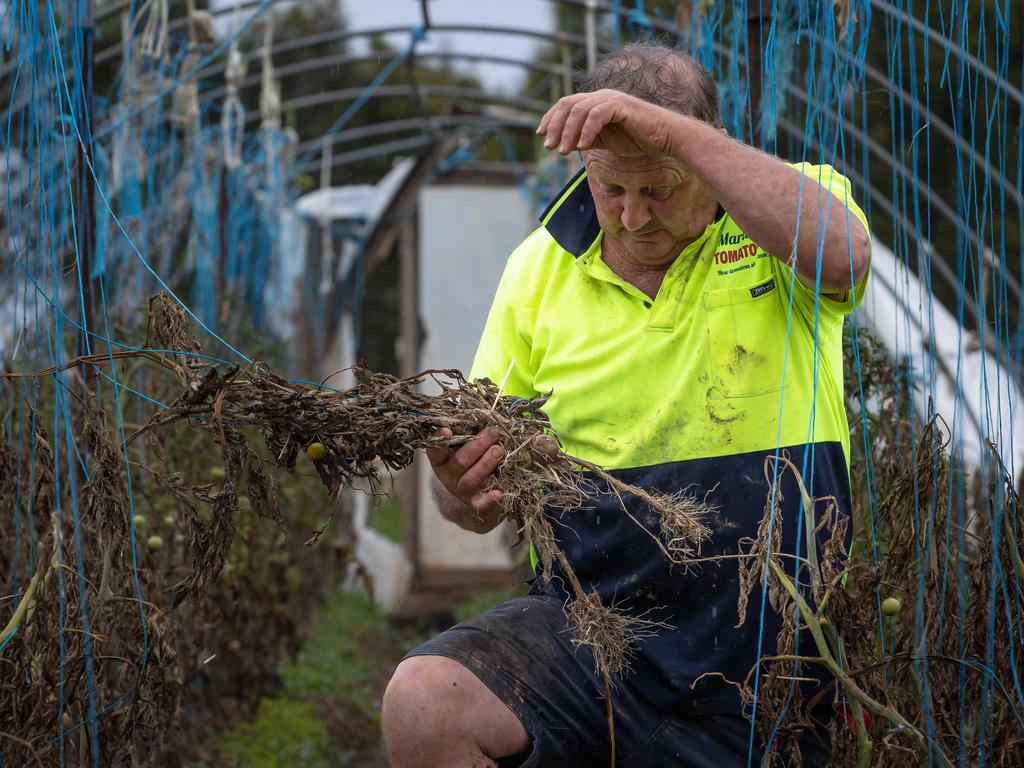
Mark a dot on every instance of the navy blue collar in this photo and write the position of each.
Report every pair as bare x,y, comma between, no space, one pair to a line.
571,217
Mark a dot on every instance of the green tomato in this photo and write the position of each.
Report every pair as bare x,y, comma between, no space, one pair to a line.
154,543
217,473
170,519
891,606
139,521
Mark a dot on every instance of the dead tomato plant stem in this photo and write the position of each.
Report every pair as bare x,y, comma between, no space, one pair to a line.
807,505
25,603
858,697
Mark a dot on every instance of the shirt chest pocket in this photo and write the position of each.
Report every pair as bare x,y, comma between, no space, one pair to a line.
746,340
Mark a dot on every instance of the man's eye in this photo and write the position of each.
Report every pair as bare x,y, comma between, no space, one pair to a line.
658,193
610,189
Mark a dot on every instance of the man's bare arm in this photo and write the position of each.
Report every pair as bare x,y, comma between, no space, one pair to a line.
771,201
459,477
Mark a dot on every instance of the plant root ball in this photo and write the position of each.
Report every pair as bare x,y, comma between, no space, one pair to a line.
545,444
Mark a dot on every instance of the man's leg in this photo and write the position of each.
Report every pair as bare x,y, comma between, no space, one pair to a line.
437,713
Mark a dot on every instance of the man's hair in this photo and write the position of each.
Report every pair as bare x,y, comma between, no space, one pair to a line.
661,75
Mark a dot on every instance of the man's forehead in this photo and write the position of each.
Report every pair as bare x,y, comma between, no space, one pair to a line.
645,169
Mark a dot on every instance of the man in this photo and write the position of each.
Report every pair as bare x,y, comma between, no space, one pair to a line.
683,302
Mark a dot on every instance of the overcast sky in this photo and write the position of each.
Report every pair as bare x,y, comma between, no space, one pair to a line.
521,14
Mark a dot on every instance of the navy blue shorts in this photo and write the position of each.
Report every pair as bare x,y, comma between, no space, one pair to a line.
522,650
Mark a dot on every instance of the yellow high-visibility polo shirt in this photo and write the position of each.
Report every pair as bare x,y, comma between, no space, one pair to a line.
733,361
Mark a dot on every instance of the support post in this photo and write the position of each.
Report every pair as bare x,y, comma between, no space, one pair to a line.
223,203
590,33
758,20
85,210
408,364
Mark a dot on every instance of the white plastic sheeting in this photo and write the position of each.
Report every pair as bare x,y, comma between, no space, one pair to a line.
354,202
970,388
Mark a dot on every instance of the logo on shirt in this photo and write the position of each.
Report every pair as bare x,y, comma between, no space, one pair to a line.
728,238
735,254
741,248
762,289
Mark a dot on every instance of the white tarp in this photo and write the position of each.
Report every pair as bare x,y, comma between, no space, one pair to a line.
356,201
976,396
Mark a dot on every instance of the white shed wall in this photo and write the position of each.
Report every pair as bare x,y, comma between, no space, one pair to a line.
466,234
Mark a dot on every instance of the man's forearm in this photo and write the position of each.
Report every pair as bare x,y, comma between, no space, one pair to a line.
462,514
767,198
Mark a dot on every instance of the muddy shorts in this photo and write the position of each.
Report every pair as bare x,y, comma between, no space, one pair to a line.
522,650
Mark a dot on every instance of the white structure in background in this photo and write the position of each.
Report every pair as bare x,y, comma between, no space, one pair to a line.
972,391
466,234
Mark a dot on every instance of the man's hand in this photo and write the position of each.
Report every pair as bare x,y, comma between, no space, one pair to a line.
463,473
611,120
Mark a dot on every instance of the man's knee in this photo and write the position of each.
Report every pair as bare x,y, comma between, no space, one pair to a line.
411,702
435,707
429,699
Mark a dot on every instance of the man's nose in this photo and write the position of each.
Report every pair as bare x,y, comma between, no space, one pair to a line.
635,213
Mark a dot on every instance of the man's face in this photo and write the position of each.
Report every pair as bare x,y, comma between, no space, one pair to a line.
650,207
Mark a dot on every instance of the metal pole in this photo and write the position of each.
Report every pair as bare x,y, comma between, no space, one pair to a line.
757,22
86,209
590,33
327,268
408,365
